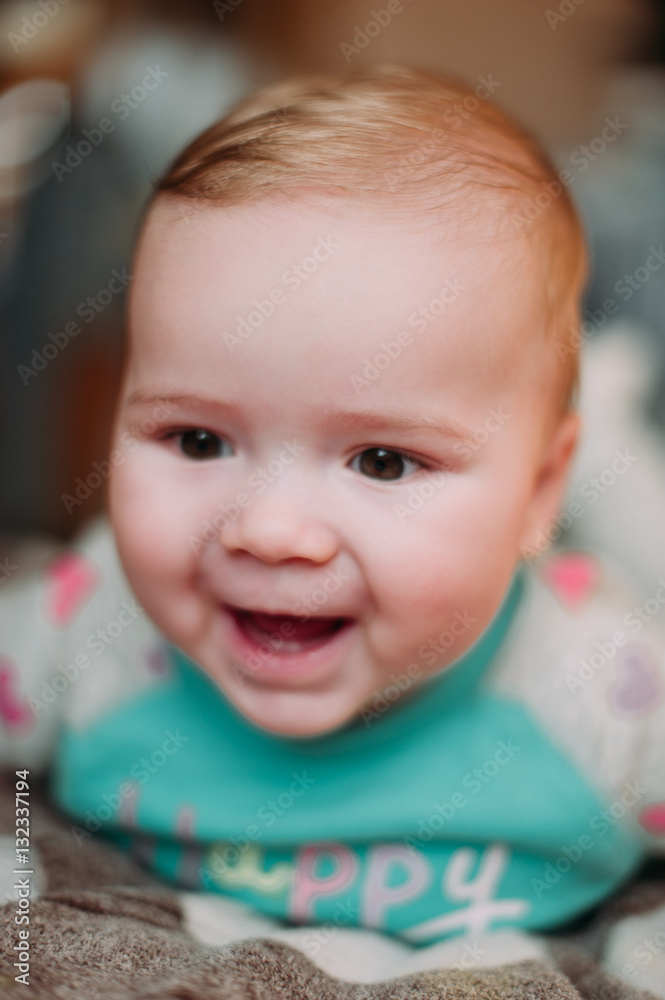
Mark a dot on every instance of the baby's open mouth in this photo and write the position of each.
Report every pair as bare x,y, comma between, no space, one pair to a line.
287,633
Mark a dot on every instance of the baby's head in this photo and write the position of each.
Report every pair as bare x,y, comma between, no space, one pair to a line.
347,409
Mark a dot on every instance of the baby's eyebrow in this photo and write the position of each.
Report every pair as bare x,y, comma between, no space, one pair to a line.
336,421
141,397
348,420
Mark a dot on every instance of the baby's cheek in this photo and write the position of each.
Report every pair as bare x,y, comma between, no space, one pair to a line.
159,545
156,510
455,610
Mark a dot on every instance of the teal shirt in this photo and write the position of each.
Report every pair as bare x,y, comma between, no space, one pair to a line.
448,812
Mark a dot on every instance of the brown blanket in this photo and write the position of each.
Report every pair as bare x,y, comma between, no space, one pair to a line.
102,929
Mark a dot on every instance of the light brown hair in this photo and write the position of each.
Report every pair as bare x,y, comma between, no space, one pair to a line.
412,141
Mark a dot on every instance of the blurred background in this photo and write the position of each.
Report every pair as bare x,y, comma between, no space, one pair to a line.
96,96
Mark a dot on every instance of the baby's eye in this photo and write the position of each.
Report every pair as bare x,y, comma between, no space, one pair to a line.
199,443
381,463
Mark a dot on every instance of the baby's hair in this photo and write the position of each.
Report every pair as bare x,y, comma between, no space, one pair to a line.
408,140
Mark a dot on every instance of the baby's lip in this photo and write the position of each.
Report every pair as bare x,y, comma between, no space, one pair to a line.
305,633
285,615
312,628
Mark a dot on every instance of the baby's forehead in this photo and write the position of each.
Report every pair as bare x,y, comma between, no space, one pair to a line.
366,307
395,266
382,147
484,221
278,242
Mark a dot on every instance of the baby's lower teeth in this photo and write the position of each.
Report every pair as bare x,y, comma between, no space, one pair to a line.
291,647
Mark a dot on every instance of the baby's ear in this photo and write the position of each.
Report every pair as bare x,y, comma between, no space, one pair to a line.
549,484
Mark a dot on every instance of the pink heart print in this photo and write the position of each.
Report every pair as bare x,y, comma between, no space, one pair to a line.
71,580
652,819
15,711
573,578
637,687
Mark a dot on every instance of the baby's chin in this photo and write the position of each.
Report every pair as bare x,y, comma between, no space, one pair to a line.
297,714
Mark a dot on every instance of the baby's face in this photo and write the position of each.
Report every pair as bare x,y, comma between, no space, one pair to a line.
340,450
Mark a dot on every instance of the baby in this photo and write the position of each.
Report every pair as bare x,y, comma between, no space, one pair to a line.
315,666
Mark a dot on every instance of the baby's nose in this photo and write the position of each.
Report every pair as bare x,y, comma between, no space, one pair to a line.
279,525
